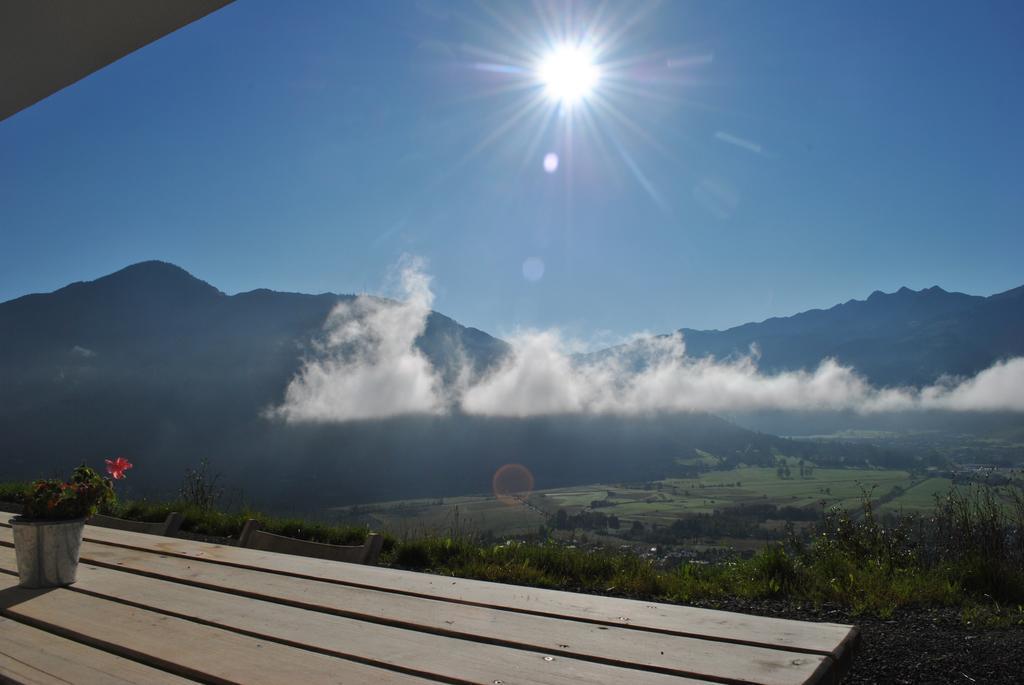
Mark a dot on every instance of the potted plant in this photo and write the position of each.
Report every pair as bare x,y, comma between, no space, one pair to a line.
48,534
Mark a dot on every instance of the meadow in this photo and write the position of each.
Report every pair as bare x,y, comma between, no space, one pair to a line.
659,502
967,551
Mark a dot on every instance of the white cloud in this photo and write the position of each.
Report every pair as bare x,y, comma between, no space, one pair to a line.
998,388
539,378
370,368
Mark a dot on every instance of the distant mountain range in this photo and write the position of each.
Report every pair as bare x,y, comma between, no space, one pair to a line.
156,318
909,337
155,363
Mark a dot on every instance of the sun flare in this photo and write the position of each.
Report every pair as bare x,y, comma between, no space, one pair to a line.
576,92
568,74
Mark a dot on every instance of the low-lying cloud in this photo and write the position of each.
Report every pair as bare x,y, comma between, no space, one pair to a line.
369,367
539,378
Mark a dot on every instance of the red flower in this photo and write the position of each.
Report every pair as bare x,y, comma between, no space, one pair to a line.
117,467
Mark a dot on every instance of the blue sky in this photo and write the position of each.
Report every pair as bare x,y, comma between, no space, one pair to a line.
763,159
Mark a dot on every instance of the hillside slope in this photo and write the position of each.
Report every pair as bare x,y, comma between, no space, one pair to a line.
903,338
157,364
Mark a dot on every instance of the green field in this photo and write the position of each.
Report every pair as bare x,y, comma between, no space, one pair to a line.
444,516
668,499
659,502
920,498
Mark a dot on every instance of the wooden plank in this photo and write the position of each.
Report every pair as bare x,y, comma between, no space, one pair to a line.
446,658
169,526
614,645
252,537
32,656
184,647
815,638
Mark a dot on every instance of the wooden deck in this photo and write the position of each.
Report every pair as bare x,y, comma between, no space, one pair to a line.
149,609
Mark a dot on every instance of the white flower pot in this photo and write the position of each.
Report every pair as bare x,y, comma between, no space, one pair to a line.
47,551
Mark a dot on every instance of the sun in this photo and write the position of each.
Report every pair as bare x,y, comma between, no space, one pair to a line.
571,91
568,74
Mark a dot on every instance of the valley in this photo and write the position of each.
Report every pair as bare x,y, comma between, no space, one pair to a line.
737,509
157,364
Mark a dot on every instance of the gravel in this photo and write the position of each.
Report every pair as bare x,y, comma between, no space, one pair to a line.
914,646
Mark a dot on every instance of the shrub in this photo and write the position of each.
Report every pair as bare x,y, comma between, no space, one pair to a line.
14,492
968,553
200,488
55,500
980,540
775,572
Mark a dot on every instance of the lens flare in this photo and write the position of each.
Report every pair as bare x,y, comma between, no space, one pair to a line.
551,162
533,269
571,77
512,483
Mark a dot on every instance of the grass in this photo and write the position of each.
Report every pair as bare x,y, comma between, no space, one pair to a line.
13,492
416,518
700,457
660,502
919,498
211,522
968,552
208,521
716,490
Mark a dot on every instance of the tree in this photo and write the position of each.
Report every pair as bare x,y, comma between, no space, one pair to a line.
561,519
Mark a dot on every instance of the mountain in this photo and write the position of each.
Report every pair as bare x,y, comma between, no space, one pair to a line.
158,318
156,364
903,338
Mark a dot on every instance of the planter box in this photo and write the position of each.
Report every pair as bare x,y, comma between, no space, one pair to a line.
47,551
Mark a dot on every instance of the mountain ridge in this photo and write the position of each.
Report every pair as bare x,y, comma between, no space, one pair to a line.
153,362
907,337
